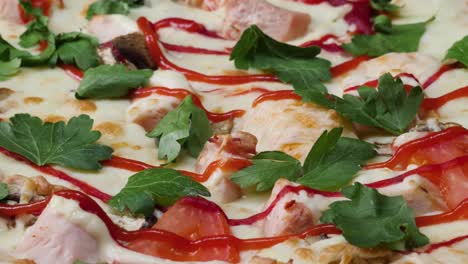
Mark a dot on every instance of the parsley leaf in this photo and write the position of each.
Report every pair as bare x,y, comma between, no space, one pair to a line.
76,48
298,66
384,5
101,7
267,168
161,186
387,221
459,51
331,164
185,126
9,68
35,32
71,145
3,190
334,160
111,81
394,38
389,107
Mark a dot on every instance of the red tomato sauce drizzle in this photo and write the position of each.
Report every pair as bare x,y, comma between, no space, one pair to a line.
137,166
437,102
158,56
45,5
184,246
374,83
443,69
181,94
72,71
405,151
86,188
360,14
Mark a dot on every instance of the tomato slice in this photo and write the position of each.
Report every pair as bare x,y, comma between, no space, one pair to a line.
437,147
42,4
454,185
192,218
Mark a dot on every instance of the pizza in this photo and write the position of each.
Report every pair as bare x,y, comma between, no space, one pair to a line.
233,131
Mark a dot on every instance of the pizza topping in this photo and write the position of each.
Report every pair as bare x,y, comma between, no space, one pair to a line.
384,5
279,23
151,187
24,189
389,38
111,81
9,68
298,66
459,51
389,107
132,47
53,239
3,191
331,163
388,221
71,145
9,10
192,218
267,168
101,7
36,30
76,48
186,126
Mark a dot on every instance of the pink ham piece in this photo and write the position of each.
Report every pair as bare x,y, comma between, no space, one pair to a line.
289,216
9,11
209,5
279,23
148,111
239,145
54,240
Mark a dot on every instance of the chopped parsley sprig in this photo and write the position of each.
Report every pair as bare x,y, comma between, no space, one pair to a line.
331,164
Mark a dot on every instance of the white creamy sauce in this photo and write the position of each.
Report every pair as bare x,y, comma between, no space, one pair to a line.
49,94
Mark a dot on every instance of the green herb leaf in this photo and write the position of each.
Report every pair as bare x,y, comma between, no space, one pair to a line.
159,186
331,164
76,48
459,51
393,38
298,66
186,126
71,145
334,160
387,221
266,169
35,32
101,7
111,81
3,190
384,5
9,68
389,107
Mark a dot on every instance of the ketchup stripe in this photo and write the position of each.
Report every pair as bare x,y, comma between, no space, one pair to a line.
86,188
158,56
181,94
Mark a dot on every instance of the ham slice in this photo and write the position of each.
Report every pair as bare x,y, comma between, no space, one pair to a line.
54,240
239,145
279,23
209,5
9,11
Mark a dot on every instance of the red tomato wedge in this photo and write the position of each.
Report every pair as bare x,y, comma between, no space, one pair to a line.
437,147
42,4
452,179
192,218
454,186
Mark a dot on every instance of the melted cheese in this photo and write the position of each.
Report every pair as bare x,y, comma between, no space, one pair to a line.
49,93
